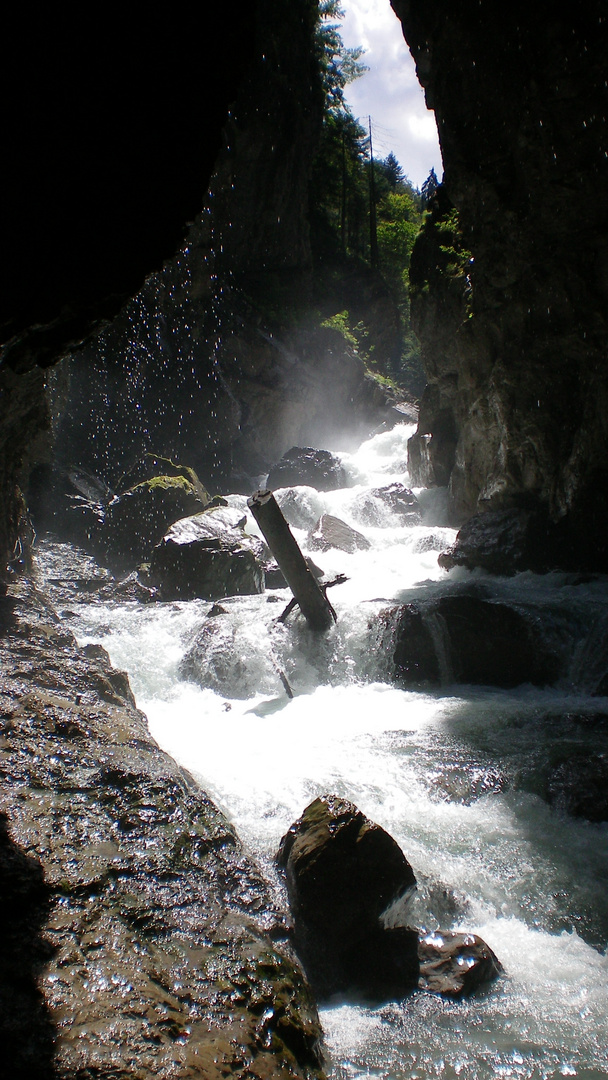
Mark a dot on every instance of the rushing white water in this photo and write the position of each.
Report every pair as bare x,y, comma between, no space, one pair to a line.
450,774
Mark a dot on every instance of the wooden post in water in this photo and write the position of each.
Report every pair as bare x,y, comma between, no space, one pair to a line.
314,606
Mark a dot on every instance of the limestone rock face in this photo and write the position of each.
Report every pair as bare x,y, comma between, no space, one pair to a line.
511,271
138,935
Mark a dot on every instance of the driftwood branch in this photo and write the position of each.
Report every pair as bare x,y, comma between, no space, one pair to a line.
339,580
314,605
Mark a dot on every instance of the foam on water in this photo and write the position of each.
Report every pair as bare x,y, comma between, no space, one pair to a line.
450,774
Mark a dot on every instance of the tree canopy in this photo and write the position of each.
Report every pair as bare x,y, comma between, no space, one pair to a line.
364,210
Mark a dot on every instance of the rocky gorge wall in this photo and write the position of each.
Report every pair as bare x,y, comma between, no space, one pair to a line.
101,177
511,311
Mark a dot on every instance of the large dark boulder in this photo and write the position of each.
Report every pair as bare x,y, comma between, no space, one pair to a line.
303,465
507,542
467,639
207,556
137,520
342,872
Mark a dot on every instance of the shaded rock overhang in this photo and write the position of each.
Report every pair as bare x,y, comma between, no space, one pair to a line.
111,131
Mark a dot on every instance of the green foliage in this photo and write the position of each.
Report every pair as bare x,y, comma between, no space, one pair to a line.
340,322
338,65
443,263
363,213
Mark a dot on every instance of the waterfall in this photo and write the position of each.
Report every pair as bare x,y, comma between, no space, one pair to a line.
454,774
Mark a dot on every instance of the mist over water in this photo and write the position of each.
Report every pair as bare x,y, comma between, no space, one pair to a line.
451,774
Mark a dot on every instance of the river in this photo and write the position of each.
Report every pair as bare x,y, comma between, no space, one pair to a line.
452,774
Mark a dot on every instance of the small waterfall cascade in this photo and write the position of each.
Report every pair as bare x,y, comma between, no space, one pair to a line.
456,773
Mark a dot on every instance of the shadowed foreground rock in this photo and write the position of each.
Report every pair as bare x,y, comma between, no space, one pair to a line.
343,872
139,940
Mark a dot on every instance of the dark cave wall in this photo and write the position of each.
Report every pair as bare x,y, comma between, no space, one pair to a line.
110,134
521,103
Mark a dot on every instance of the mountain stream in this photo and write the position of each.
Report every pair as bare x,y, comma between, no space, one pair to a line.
450,773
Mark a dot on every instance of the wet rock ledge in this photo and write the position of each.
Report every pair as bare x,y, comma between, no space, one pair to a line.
138,940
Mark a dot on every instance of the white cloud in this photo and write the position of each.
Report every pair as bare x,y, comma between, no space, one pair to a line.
390,92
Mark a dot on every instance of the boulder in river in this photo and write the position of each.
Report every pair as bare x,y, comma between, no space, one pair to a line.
303,465
137,520
454,964
208,555
467,639
121,527
506,542
331,532
396,498
343,872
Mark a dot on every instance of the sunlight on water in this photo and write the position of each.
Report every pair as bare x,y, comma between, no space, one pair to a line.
451,774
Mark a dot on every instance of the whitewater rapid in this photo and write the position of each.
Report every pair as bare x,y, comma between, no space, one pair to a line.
439,770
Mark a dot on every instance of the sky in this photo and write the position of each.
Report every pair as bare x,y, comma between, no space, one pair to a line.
390,92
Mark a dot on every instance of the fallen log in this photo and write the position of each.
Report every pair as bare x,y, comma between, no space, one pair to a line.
314,606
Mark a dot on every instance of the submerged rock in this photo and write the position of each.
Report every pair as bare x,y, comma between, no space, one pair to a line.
579,786
396,498
506,542
303,465
331,532
207,556
229,658
299,507
466,639
343,872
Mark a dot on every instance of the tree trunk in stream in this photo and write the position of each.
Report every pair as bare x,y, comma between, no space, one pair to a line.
314,606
